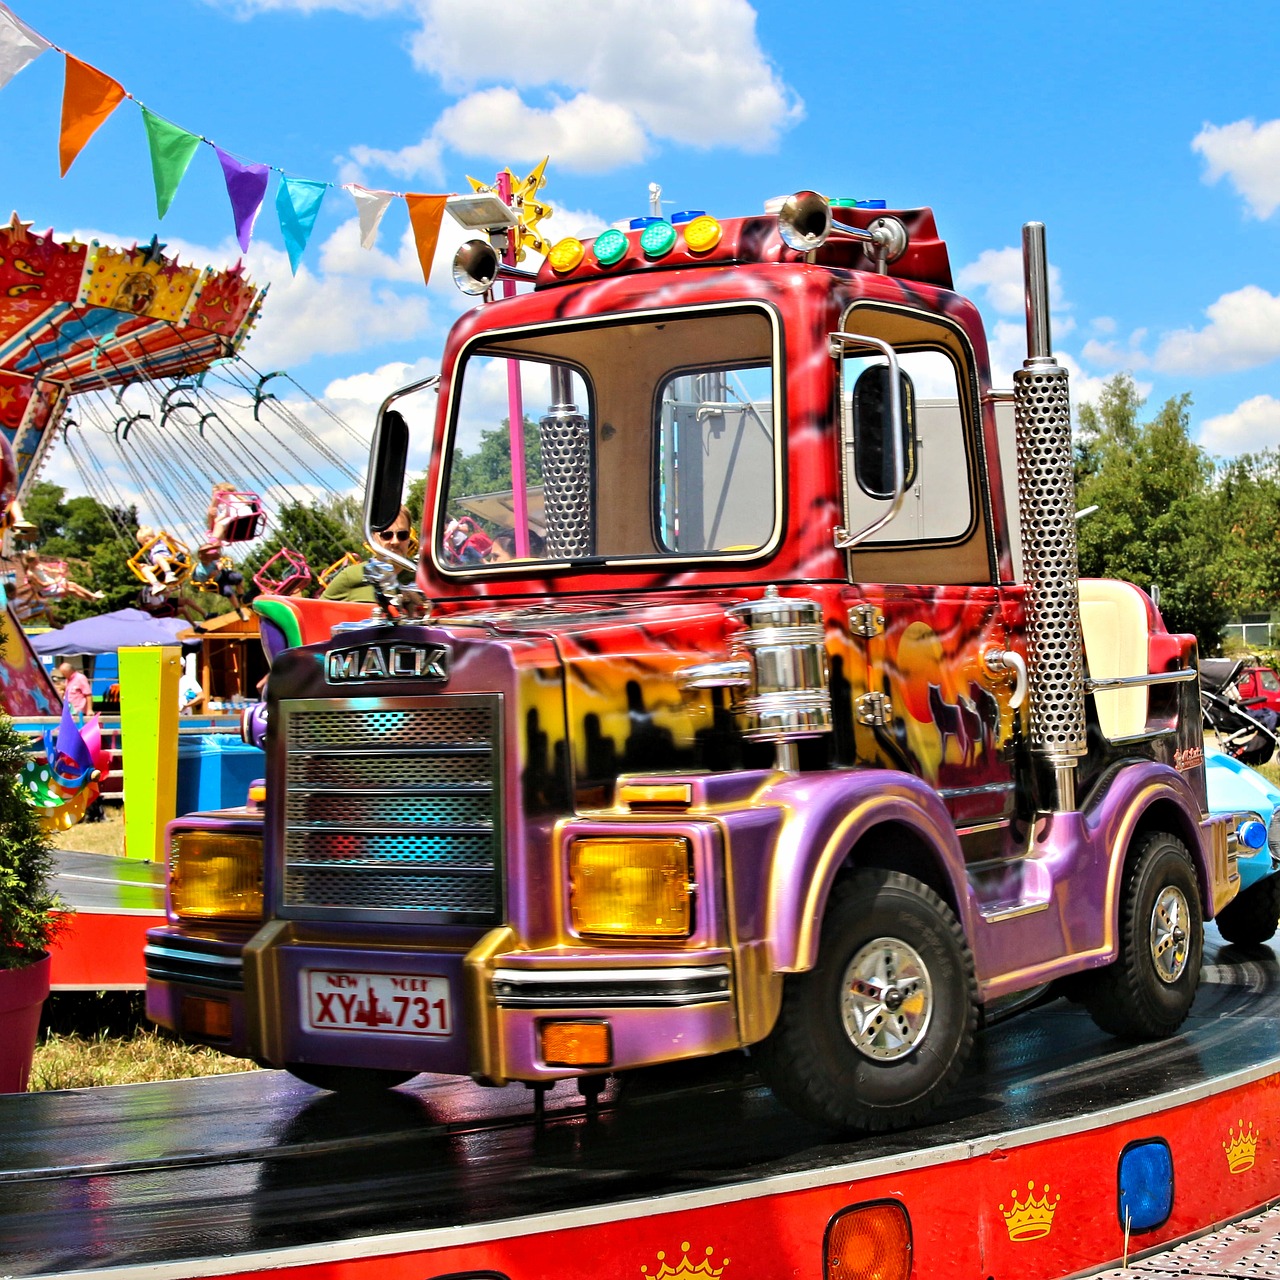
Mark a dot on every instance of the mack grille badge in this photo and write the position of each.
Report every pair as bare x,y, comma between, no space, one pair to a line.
387,662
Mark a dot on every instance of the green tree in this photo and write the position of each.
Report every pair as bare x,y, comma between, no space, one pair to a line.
44,508
1246,518
1153,487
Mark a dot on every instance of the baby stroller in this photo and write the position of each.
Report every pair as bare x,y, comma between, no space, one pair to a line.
1246,729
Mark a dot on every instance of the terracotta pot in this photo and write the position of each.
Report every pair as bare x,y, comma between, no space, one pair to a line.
22,994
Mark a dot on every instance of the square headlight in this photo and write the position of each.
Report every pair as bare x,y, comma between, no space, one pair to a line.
215,875
631,886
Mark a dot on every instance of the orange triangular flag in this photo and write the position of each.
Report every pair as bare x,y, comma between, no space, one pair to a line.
88,98
425,213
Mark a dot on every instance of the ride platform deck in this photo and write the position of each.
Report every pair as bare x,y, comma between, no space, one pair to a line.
686,1171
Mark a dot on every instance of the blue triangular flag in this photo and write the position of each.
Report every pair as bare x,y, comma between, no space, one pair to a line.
298,203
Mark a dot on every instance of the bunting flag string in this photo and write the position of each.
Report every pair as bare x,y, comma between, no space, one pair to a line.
19,45
297,204
171,152
246,188
370,206
90,96
425,216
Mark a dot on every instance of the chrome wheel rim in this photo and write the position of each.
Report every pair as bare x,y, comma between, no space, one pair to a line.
886,999
1170,941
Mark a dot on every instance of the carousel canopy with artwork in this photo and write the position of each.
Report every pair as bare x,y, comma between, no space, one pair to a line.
77,317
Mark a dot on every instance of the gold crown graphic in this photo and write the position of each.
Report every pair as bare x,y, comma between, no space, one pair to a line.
1241,1148
1033,1219
685,1267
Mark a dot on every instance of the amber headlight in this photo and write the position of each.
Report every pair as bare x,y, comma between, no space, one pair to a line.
621,887
215,876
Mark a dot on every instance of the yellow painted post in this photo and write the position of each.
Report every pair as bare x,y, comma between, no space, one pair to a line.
149,741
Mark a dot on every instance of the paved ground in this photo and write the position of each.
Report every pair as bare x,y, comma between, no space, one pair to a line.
1245,1250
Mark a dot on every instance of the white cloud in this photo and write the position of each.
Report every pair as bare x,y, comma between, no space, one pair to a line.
1248,155
364,8
585,134
1007,343
1102,324
692,73
1112,355
596,86
418,159
998,272
1249,428
1243,332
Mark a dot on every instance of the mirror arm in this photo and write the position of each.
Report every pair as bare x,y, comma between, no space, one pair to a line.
422,384
844,540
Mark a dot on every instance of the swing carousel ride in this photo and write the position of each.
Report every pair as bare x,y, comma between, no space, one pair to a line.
133,363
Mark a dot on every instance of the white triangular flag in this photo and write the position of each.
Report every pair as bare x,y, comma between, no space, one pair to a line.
370,205
18,45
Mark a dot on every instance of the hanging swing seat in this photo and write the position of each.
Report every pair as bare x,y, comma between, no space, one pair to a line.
51,578
294,570
181,563
238,517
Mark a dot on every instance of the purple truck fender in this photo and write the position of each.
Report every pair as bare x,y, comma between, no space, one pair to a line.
1148,796
785,866
824,815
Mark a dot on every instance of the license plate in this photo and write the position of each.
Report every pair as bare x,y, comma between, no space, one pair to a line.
402,1004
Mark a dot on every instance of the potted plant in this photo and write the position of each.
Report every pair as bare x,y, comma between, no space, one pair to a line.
31,915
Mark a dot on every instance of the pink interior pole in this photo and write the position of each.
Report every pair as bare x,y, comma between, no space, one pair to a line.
515,401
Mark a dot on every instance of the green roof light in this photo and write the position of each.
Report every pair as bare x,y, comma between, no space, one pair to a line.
610,247
658,238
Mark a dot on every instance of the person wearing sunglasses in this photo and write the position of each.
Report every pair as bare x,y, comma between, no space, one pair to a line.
349,583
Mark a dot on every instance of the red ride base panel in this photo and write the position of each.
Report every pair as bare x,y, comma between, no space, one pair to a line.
101,952
1036,1204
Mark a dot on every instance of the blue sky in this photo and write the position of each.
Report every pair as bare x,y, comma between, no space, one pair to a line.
1146,137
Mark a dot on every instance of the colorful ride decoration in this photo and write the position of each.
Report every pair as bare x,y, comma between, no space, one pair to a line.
326,576
293,570
76,317
67,781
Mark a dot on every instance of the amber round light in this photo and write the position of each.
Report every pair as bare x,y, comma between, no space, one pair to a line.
566,254
703,234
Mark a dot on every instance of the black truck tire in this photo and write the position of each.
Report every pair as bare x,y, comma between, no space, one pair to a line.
1147,992
1251,917
875,1035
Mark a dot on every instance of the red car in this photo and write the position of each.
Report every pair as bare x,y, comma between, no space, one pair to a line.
1260,682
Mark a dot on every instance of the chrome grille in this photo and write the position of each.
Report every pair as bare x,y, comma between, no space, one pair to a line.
392,808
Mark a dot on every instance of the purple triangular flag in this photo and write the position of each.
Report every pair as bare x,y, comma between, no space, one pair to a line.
70,743
246,186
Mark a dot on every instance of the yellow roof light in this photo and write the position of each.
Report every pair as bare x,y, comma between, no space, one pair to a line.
566,254
703,234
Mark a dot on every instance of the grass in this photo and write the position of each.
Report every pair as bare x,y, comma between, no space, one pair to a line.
103,1037
106,836
1271,771
79,1062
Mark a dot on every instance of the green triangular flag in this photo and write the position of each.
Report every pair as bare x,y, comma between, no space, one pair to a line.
171,152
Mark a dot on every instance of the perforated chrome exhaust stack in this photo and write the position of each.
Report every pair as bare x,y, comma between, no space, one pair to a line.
565,438
1046,502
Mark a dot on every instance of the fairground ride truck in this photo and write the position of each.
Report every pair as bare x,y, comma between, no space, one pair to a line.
721,714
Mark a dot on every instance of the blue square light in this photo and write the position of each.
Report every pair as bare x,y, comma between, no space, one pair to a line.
1146,1184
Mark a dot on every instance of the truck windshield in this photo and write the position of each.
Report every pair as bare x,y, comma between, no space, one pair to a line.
639,440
